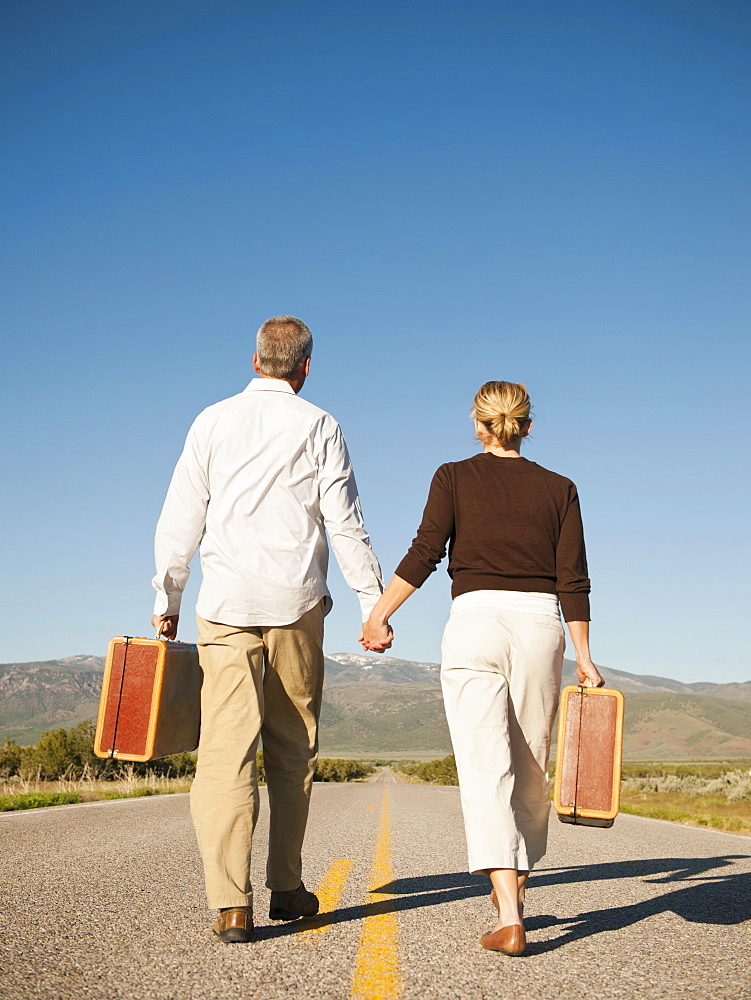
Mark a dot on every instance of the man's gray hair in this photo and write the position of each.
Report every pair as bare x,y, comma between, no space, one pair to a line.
283,343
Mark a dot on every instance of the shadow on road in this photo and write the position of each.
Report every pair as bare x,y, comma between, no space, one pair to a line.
670,870
713,899
433,890
720,900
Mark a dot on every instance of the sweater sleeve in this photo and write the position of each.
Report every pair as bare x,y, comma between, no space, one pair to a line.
571,564
436,528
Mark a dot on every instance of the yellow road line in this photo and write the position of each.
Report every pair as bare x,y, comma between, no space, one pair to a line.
377,965
330,891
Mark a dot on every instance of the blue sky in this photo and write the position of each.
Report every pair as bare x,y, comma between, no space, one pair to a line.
446,193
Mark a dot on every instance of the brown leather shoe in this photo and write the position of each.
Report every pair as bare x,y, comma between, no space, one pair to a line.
293,904
235,925
510,940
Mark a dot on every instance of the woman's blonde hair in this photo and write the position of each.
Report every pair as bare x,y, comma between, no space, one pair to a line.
502,408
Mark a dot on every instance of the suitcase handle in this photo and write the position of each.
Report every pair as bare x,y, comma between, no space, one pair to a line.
162,637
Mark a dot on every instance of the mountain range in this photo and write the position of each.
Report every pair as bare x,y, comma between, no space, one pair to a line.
384,706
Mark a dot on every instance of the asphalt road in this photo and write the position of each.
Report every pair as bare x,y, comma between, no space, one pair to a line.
106,901
383,777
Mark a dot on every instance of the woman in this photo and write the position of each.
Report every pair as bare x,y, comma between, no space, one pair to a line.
516,549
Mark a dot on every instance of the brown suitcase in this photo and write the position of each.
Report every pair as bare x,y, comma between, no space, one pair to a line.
151,699
588,760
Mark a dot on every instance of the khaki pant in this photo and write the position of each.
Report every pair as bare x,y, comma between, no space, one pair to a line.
266,682
501,673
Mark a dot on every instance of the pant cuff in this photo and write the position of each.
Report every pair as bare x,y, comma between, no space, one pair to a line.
221,902
283,887
519,863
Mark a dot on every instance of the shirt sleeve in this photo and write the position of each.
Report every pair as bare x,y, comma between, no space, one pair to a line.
571,564
181,526
342,517
436,528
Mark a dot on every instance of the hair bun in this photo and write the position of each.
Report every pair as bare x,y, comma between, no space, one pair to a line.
502,407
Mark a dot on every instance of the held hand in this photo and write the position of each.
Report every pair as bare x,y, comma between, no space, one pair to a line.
588,674
376,636
166,625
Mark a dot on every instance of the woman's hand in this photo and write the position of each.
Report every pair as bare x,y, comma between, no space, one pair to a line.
588,674
376,635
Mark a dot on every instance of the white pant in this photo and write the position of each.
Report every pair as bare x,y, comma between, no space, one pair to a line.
502,655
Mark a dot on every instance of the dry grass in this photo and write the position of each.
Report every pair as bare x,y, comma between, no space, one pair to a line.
126,784
694,810
716,797
699,795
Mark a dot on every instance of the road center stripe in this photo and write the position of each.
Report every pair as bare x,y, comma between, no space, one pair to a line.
377,965
330,891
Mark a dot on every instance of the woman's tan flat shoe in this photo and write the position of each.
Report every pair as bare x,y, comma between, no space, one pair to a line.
510,940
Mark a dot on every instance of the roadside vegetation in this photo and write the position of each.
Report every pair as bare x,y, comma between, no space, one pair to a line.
62,769
331,769
432,772
714,794
327,769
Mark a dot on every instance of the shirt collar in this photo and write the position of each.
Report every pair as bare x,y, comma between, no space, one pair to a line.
274,384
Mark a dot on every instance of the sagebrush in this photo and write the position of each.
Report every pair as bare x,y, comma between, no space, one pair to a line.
68,755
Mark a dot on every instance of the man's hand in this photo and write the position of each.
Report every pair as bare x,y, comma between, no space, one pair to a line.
376,636
166,625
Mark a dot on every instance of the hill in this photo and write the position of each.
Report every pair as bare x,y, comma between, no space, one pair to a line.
397,705
686,727
45,695
392,707
383,705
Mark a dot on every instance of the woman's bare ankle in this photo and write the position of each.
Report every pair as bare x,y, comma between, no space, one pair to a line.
505,896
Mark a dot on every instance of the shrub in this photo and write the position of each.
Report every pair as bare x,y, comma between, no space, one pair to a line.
436,772
62,753
328,769
178,765
734,785
69,753
11,755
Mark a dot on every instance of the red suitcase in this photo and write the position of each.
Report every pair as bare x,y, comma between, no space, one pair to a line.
588,760
150,705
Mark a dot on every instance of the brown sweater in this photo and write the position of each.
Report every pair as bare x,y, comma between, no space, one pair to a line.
510,525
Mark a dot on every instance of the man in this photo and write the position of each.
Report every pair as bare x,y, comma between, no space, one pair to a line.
262,477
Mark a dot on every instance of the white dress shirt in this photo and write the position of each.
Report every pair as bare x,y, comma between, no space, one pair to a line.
262,478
